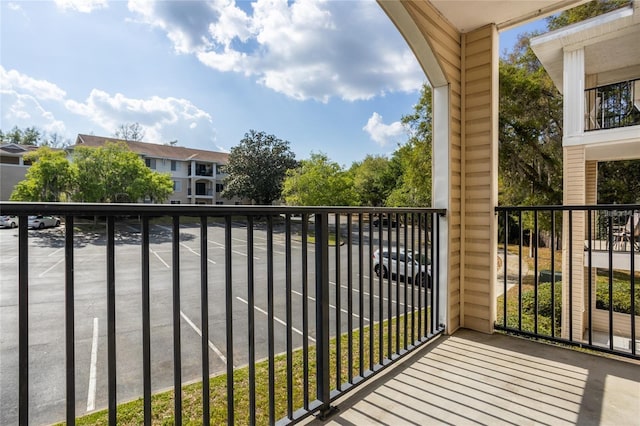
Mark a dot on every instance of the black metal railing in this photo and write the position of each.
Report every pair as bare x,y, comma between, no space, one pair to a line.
612,106
568,274
284,302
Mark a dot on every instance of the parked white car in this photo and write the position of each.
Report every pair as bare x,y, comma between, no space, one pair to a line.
416,271
41,221
7,221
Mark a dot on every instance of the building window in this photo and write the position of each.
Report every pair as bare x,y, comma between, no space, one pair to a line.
177,186
219,169
174,165
219,187
175,201
219,203
150,162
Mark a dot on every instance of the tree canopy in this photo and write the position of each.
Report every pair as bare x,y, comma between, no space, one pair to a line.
130,132
50,178
108,174
319,182
257,167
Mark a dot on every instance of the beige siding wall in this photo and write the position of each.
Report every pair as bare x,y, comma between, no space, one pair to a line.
574,189
480,161
10,175
469,62
444,41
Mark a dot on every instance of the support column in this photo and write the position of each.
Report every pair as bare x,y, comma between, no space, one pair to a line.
574,190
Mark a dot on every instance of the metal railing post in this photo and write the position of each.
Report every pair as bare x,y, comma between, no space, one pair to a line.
323,388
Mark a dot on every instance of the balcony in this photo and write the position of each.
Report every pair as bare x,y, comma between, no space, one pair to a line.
243,306
613,106
201,170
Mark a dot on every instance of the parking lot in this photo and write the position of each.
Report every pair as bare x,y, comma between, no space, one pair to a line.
46,309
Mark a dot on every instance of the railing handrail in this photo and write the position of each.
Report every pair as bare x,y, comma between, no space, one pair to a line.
17,208
602,86
561,207
292,262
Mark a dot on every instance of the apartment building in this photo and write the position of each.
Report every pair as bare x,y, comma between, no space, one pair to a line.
13,168
596,66
197,174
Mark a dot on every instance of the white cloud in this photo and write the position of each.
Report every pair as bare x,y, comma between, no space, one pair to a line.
24,110
40,89
25,102
384,134
163,119
307,49
83,6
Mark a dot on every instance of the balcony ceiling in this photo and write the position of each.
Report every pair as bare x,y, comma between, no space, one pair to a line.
468,15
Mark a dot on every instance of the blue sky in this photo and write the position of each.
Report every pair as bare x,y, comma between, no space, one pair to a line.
328,76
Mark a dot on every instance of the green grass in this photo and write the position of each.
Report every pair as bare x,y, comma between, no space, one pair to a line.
131,413
620,284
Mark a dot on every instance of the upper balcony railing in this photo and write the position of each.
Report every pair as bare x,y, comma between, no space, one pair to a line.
273,312
612,106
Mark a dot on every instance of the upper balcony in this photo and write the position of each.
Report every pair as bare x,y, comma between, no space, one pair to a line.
201,169
613,106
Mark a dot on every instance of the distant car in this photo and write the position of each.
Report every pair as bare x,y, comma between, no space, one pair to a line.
41,221
7,221
393,260
385,222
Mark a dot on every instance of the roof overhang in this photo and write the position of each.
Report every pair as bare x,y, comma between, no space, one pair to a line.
468,15
611,42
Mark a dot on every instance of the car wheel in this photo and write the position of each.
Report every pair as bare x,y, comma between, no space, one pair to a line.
385,273
57,223
12,225
41,226
423,280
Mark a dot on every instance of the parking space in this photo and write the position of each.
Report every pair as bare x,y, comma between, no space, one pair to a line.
47,303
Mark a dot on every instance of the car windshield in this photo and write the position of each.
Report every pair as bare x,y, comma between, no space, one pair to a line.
424,260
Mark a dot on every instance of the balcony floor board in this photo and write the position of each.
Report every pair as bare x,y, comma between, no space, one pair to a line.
475,378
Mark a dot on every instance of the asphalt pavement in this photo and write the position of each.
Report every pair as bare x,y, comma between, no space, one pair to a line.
47,309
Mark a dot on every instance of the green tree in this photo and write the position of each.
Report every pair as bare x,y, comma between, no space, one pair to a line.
619,182
411,163
319,182
130,132
257,167
50,178
373,180
530,131
582,12
28,136
114,173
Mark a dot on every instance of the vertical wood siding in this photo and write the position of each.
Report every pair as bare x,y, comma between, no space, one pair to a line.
444,40
480,161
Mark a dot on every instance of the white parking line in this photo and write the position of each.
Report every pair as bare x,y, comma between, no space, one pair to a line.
49,269
195,252
91,394
55,251
220,245
275,318
197,330
331,306
155,253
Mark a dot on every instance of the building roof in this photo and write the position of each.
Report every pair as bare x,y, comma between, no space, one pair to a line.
154,150
611,43
16,150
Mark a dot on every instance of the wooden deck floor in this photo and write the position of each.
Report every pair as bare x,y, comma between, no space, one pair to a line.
474,378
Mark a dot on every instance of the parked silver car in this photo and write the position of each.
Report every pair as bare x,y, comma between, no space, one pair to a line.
7,221
42,221
417,271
